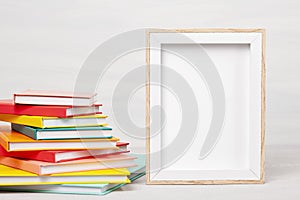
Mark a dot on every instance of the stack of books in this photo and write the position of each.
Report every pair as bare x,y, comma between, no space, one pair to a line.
59,142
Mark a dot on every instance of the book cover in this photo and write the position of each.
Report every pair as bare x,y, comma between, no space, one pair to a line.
39,97
45,168
63,133
65,155
9,107
48,93
54,122
13,141
11,176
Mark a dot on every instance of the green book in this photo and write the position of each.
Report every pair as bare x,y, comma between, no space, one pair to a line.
89,132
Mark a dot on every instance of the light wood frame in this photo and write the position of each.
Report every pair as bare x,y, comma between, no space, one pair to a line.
262,132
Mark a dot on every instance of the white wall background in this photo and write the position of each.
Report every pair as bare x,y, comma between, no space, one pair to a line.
44,43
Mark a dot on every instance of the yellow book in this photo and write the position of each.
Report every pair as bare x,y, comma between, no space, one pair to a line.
12,176
55,122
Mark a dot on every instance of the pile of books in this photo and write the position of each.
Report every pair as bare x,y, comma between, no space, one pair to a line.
60,142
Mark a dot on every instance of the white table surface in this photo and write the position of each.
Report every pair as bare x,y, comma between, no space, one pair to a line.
282,182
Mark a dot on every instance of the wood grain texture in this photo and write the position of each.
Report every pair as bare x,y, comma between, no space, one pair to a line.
212,30
263,107
147,106
205,182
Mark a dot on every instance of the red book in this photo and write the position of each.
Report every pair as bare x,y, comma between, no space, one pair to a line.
8,107
61,156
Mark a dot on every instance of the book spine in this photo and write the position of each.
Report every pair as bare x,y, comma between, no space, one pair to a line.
3,150
41,156
49,111
35,121
14,98
31,155
4,142
41,111
6,109
30,132
20,164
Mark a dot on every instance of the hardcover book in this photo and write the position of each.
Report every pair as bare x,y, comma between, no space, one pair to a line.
86,189
39,97
12,176
66,155
13,141
45,168
55,122
63,133
9,107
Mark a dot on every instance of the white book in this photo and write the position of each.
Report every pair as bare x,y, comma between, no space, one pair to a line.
40,97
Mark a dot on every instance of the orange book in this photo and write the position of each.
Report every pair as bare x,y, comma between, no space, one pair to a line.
14,141
44,168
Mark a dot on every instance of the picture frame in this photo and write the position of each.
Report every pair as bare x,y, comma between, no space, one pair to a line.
218,79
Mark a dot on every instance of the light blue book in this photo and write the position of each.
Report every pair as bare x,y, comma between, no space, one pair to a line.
90,189
90,132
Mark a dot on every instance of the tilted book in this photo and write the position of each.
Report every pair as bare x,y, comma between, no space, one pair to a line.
40,97
13,141
63,133
44,168
12,176
54,122
65,155
9,107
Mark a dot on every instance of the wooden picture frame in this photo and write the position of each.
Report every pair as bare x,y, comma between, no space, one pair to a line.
237,156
